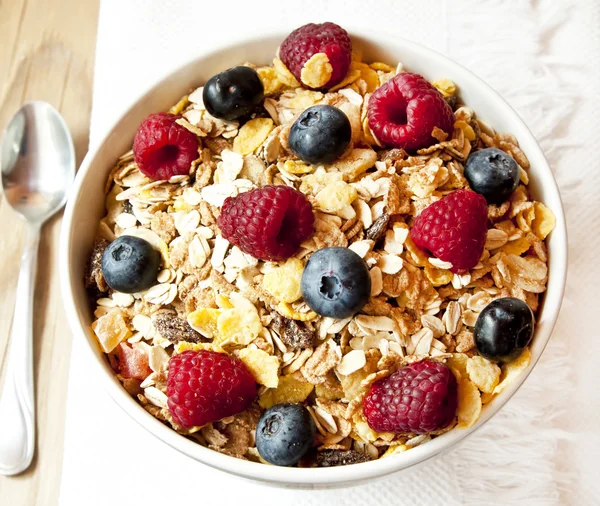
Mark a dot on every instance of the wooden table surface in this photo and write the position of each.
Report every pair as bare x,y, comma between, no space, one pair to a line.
46,53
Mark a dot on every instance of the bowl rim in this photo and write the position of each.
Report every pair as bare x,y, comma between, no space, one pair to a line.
335,476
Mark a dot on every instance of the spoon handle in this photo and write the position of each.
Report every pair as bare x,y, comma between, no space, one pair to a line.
17,416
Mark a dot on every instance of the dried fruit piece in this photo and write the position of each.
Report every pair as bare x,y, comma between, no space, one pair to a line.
111,330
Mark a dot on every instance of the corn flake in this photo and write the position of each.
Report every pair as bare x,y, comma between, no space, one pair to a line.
445,86
252,135
262,366
270,79
284,74
223,302
394,450
283,282
297,167
182,346
289,389
285,309
516,247
469,404
204,321
544,221
369,75
483,373
335,196
511,370
317,71
351,76
438,277
384,67
458,365
239,326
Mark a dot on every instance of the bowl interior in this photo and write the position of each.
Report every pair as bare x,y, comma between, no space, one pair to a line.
86,207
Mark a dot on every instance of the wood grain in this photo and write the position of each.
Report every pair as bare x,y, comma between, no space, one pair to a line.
46,53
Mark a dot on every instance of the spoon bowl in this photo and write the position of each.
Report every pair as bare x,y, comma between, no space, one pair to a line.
38,162
38,167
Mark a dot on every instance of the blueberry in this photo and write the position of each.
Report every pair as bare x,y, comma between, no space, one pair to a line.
233,93
130,264
284,434
492,173
336,282
503,329
320,134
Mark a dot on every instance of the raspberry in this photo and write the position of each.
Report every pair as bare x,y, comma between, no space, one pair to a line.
268,223
419,398
162,148
310,39
404,111
205,386
453,229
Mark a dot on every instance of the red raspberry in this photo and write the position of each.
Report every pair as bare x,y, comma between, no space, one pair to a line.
419,398
453,229
205,386
310,39
403,112
162,148
268,223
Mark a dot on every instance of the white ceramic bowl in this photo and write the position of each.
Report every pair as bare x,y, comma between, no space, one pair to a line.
86,207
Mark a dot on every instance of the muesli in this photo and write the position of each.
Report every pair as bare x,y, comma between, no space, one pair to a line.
333,249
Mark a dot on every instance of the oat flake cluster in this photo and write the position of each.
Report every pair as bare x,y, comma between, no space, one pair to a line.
209,295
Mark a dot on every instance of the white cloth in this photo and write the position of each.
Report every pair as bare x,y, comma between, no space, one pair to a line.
543,448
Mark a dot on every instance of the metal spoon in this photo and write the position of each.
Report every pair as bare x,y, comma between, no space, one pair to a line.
38,167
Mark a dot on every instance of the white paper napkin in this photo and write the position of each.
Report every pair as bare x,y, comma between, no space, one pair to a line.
539,56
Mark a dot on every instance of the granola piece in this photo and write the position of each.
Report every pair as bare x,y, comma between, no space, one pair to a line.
163,224
220,284
331,389
377,306
326,356
464,341
178,252
213,437
217,144
255,170
331,458
496,213
394,285
239,432
93,277
294,334
378,228
174,329
207,218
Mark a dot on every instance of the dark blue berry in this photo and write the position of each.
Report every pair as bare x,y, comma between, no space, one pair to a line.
233,93
503,329
493,174
130,264
284,434
336,282
320,134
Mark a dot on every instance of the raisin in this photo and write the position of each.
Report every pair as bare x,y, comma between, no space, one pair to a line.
295,335
378,228
173,328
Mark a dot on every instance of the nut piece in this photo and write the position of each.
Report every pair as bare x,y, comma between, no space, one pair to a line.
331,458
174,329
93,274
295,335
